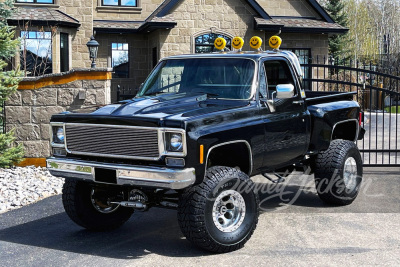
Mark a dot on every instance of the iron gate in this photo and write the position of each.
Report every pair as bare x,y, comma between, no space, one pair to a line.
379,97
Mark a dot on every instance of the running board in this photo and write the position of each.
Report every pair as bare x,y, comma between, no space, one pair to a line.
275,181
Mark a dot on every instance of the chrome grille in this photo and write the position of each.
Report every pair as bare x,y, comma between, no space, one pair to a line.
112,141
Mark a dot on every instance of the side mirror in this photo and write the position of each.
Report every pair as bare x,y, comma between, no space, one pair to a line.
268,103
284,91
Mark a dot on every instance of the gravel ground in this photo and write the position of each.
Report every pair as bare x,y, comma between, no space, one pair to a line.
22,186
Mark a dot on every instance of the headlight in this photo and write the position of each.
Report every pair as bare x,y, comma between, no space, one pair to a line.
58,135
174,142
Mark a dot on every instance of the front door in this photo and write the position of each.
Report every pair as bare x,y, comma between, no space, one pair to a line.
287,123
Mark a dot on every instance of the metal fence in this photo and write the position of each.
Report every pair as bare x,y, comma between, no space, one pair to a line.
169,83
124,93
378,94
379,97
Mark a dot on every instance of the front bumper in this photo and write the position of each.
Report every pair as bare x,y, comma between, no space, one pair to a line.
125,174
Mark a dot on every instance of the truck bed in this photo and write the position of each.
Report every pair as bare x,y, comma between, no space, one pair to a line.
319,97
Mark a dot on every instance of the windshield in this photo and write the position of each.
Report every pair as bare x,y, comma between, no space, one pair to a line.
229,78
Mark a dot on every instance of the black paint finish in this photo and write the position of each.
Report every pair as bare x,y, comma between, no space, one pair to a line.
277,139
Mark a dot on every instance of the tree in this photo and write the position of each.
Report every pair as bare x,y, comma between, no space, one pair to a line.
363,41
385,15
337,43
9,153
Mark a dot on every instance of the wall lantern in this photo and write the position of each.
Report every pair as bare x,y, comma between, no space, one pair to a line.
93,47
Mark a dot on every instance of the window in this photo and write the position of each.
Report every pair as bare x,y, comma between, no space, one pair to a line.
167,78
36,1
36,58
120,60
119,2
230,78
64,52
263,84
277,72
205,43
304,56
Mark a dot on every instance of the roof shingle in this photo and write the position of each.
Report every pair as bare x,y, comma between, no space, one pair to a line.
42,15
117,24
299,25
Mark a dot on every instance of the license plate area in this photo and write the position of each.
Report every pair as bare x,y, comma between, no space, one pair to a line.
105,176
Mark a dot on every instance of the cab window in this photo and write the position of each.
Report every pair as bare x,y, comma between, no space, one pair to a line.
263,84
277,72
228,78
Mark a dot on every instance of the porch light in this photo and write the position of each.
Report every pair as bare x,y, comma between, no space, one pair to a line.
93,47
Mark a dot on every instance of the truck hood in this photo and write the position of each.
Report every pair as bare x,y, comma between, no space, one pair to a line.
172,106
170,110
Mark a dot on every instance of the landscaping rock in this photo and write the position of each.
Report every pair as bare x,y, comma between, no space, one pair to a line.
23,186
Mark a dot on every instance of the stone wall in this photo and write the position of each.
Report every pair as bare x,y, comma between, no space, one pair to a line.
83,12
29,110
139,59
296,8
229,17
196,17
140,13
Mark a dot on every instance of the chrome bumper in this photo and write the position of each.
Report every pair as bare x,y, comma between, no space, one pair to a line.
125,174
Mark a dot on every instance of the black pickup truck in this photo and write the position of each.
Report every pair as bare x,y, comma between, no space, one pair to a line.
198,129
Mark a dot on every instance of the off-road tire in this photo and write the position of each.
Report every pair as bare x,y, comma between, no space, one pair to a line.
196,204
329,173
76,197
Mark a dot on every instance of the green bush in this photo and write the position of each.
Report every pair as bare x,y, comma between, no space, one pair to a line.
393,109
9,152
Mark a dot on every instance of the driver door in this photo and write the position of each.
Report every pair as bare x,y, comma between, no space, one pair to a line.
286,121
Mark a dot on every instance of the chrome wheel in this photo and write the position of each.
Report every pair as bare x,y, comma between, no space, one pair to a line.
350,173
229,210
102,205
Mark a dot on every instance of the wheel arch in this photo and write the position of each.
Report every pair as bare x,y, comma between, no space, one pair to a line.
324,133
344,130
241,146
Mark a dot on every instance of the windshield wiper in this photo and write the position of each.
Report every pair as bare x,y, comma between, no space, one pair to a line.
209,95
157,93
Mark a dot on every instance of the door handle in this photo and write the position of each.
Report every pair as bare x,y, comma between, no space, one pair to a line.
298,102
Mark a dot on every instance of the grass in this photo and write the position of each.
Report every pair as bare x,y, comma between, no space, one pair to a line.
393,109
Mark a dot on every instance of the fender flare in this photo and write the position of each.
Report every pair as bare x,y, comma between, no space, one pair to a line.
228,143
340,122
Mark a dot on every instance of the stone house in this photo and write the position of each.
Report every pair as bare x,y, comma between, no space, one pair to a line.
134,34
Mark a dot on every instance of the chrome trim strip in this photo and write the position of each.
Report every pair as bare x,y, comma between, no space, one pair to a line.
164,143
161,142
52,144
340,122
160,177
111,156
232,142
110,126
